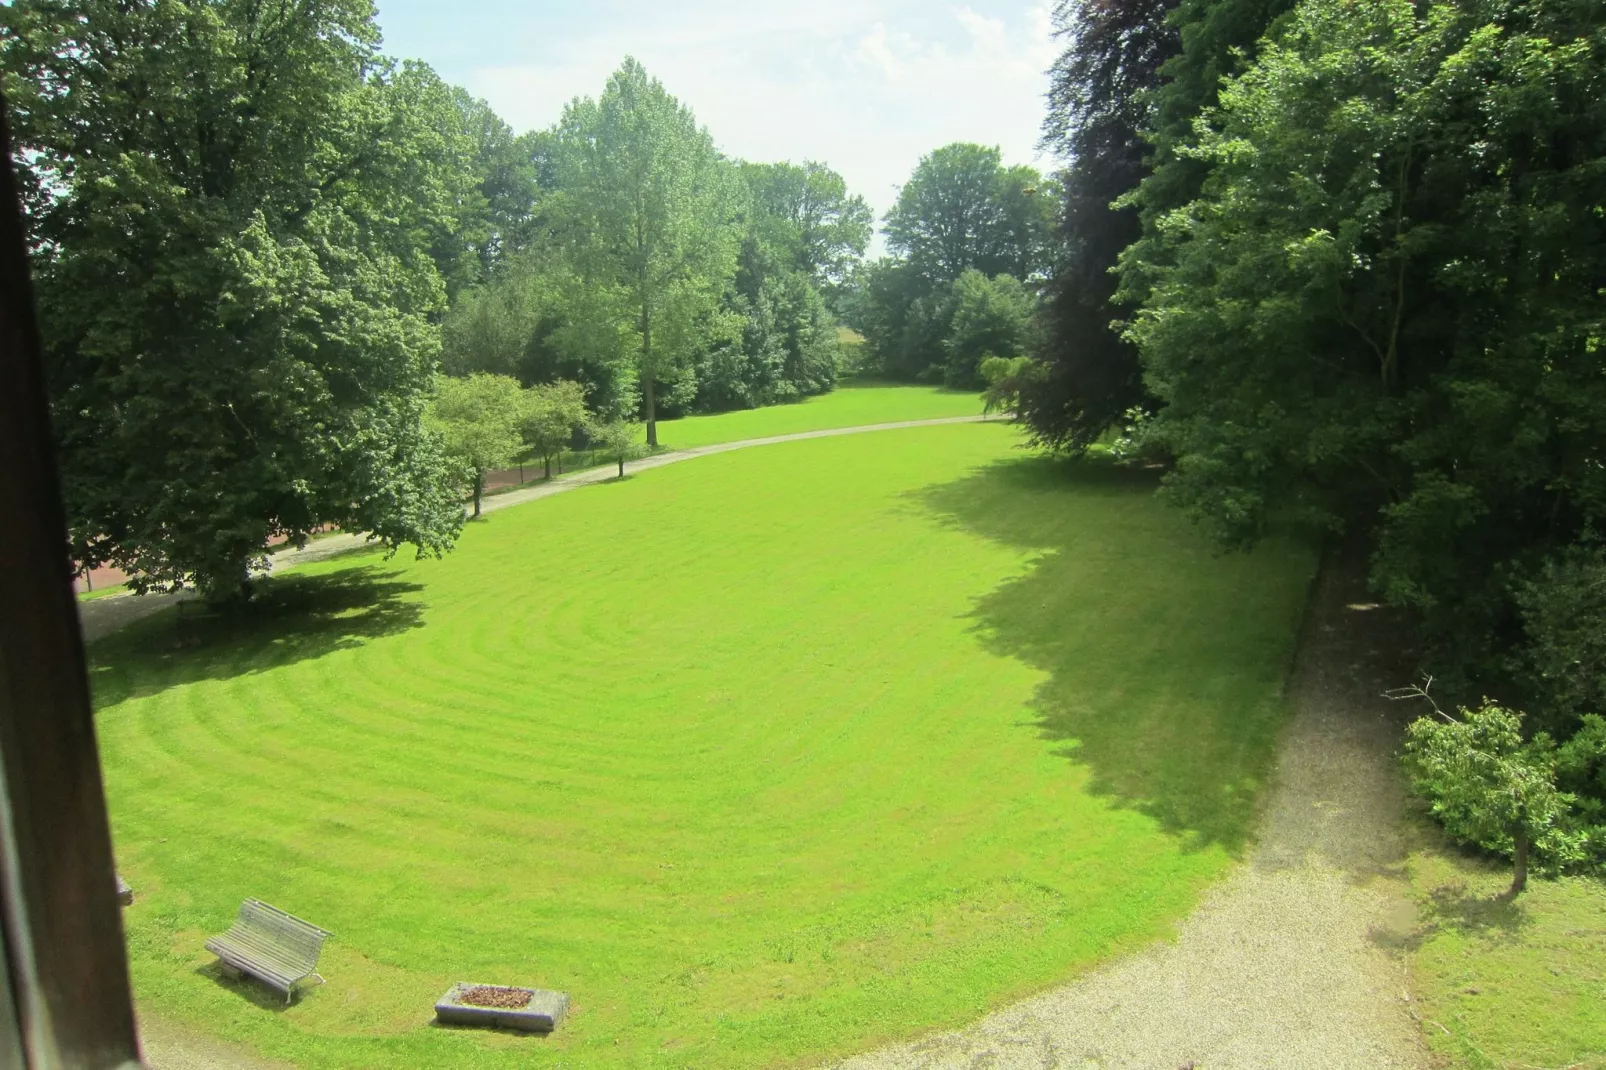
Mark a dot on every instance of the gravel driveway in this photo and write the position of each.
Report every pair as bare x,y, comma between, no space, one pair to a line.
1286,965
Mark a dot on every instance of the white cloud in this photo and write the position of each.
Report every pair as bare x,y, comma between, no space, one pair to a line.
989,34
866,87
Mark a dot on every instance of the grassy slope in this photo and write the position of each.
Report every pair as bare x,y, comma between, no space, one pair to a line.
1508,984
849,405
819,744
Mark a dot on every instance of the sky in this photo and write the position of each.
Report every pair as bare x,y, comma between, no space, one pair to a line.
866,86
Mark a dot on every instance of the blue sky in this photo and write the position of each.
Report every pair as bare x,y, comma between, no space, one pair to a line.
866,86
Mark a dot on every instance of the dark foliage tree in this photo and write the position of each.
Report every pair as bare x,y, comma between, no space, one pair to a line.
1100,104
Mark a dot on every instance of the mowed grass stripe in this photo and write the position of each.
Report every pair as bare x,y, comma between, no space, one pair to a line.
802,748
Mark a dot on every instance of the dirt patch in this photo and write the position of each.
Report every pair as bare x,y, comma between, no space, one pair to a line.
496,996
1293,961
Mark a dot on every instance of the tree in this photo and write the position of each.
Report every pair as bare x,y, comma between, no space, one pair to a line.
479,420
1382,311
619,439
1006,378
904,319
229,208
509,176
963,209
991,318
1100,104
649,207
1487,785
493,327
552,413
806,216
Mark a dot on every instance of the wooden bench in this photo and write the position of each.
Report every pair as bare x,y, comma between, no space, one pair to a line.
279,950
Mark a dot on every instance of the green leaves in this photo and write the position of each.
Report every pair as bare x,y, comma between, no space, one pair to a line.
236,210
1488,786
648,210
963,209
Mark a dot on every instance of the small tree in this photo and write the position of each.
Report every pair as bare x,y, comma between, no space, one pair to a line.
478,418
618,439
992,317
1006,377
1486,784
552,412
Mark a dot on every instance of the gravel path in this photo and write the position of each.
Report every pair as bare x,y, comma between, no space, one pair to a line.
1286,965
102,616
167,1047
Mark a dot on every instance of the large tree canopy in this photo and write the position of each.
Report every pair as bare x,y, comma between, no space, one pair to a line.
962,209
240,215
1384,309
805,215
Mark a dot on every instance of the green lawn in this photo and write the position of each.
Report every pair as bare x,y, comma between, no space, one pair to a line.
849,405
764,757
1503,983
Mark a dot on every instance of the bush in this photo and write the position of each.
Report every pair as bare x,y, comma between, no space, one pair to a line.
1492,789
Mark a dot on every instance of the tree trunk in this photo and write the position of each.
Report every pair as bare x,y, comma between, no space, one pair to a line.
649,385
479,488
652,412
1519,879
549,466
621,466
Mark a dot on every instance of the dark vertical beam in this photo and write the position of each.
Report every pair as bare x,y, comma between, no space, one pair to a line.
63,935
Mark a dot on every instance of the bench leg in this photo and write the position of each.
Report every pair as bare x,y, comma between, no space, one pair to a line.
230,972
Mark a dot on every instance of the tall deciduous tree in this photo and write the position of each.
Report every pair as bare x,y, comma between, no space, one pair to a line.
650,212
232,207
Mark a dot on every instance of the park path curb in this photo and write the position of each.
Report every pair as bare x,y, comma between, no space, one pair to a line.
102,616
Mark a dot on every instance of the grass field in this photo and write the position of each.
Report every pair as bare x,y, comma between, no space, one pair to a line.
1502,983
764,757
849,405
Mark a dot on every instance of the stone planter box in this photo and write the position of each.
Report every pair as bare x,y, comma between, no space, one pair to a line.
541,1014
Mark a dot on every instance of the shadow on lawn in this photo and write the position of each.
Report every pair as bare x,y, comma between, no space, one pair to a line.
294,617
1165,691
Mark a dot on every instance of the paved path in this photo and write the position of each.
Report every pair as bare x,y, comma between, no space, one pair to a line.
1286,964
102,616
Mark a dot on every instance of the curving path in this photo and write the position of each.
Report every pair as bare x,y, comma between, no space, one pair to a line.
1291,963
103,616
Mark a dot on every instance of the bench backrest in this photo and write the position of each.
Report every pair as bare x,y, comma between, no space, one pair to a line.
302,941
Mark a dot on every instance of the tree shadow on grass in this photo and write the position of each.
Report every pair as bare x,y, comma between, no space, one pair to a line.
1165,659
294,618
